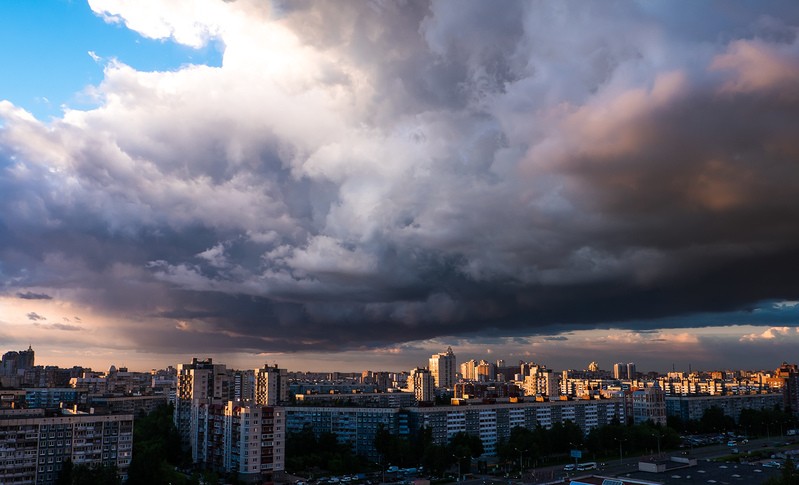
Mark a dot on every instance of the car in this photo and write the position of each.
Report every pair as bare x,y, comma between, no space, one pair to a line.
568,468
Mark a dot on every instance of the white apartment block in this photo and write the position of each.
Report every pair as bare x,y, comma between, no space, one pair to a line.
244,438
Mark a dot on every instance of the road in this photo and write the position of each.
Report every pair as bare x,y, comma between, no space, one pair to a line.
629,465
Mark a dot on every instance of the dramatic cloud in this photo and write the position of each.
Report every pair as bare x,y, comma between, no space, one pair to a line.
29,295
359,175
773,333
60,326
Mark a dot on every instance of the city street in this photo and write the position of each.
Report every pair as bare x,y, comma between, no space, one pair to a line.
705,471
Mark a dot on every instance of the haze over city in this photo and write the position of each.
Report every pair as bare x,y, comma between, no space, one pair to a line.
358,185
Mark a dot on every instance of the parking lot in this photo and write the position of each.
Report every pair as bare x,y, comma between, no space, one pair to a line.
714,472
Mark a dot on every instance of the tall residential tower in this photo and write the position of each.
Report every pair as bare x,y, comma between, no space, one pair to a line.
442,366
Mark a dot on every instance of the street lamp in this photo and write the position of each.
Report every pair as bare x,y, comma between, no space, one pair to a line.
621,459
460,461
657,435
521,463
575,455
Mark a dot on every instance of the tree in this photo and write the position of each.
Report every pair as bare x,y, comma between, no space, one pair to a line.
715,421
463,447
436,459
94,475
788,476
564,437
65,476
156,449
464,444
305,452
520,439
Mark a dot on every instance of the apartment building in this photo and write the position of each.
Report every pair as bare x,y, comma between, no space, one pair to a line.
490,422
422,384
443,368
352,426
34,447
271,386
693,407
360,399
198,384
646,404
243,438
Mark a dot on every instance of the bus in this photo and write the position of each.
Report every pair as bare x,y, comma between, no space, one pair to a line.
591,465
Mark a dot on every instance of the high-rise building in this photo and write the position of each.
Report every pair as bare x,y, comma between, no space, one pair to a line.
442,366
271,386
199,383
422,385
244,438
620,371
647,404
541,382
16,361
468,370
485,371
593,366
789,373
631,374
244,385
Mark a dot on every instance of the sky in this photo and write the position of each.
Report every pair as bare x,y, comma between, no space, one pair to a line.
359,184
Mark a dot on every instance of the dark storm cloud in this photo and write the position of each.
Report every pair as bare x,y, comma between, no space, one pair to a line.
383,173
29,295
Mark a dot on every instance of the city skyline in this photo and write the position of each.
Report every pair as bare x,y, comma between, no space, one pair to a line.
360,186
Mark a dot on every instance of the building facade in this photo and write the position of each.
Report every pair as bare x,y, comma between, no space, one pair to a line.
244,438
646,404
33,449
198,384
422,384
492,423
354,427
789,374
443,367
689,408
360,399
271,386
